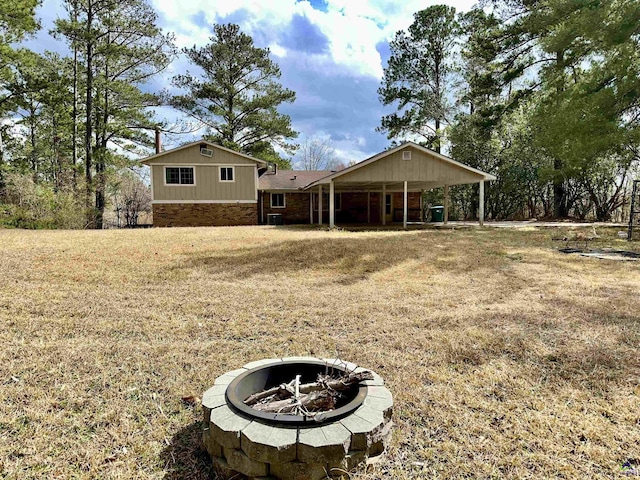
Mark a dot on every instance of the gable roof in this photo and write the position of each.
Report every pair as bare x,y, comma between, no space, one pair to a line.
290,179
328,178
200,142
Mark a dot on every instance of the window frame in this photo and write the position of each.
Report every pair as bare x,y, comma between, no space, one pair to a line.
284,199
233,173
179,184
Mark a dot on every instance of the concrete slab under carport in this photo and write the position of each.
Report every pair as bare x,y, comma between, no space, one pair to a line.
453,225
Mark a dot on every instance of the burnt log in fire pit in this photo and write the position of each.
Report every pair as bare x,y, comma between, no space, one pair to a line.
257,444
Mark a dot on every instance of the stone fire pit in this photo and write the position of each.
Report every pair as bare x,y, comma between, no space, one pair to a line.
261,445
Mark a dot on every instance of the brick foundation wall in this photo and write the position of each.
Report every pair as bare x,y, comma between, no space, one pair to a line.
204,214
296,211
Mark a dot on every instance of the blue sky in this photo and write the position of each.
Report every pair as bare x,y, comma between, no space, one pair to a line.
331,52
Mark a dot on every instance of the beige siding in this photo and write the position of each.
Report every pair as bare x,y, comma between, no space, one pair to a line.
192,156
422,167
208,185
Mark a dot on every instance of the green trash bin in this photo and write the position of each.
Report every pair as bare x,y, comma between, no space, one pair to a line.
437,213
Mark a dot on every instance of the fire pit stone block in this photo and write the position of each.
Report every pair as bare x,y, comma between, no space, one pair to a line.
228,377
240,462
269,444
226,426
214,449
323,444
364,424
382,404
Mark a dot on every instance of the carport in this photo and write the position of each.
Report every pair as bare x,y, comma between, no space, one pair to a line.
406,168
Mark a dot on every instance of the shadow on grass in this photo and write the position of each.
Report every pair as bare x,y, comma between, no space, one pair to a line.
185,458
350,259
553,353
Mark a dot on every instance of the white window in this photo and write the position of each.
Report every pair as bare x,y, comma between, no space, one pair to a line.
227,174
179,176
278,200
325,201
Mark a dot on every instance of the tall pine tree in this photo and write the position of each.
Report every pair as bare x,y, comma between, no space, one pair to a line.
418,79
238,96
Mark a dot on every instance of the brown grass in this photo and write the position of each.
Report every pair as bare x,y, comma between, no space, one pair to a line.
506,358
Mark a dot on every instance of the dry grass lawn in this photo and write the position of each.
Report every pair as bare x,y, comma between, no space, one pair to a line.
506,358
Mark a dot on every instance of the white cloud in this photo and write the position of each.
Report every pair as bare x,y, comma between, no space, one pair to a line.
352,27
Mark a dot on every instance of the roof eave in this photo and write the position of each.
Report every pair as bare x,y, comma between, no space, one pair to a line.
211,144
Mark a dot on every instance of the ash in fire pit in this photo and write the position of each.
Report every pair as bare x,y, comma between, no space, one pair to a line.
294,437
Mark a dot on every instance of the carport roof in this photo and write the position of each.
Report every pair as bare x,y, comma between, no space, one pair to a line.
328,178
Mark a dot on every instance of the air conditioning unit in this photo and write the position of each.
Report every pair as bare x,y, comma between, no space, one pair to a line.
207,152
406,155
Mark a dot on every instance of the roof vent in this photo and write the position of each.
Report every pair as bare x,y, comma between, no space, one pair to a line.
207,152
406,155
294,177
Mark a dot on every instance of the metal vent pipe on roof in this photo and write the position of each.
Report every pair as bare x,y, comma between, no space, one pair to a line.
158,140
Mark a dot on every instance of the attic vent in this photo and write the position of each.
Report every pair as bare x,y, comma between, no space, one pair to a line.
207,152
406,155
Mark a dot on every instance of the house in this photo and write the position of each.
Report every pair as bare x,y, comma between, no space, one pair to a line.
204,184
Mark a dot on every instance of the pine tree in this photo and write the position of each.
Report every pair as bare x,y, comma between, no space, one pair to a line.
120,48
238,96
418,78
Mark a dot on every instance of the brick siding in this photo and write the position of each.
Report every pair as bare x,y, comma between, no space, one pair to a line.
204,214
297,207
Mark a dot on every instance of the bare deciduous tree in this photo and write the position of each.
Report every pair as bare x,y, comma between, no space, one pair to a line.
131,197
316,153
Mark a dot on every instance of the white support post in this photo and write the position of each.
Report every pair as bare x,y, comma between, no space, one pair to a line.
311,208
446,204
405,207
384,204
368,207
319,204
481,205
332,205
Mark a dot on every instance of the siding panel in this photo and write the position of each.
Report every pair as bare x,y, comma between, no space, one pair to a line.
421,168
207,176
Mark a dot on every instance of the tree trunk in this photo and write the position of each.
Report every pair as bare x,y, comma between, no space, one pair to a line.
88,123
101,159
560,204
74,134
